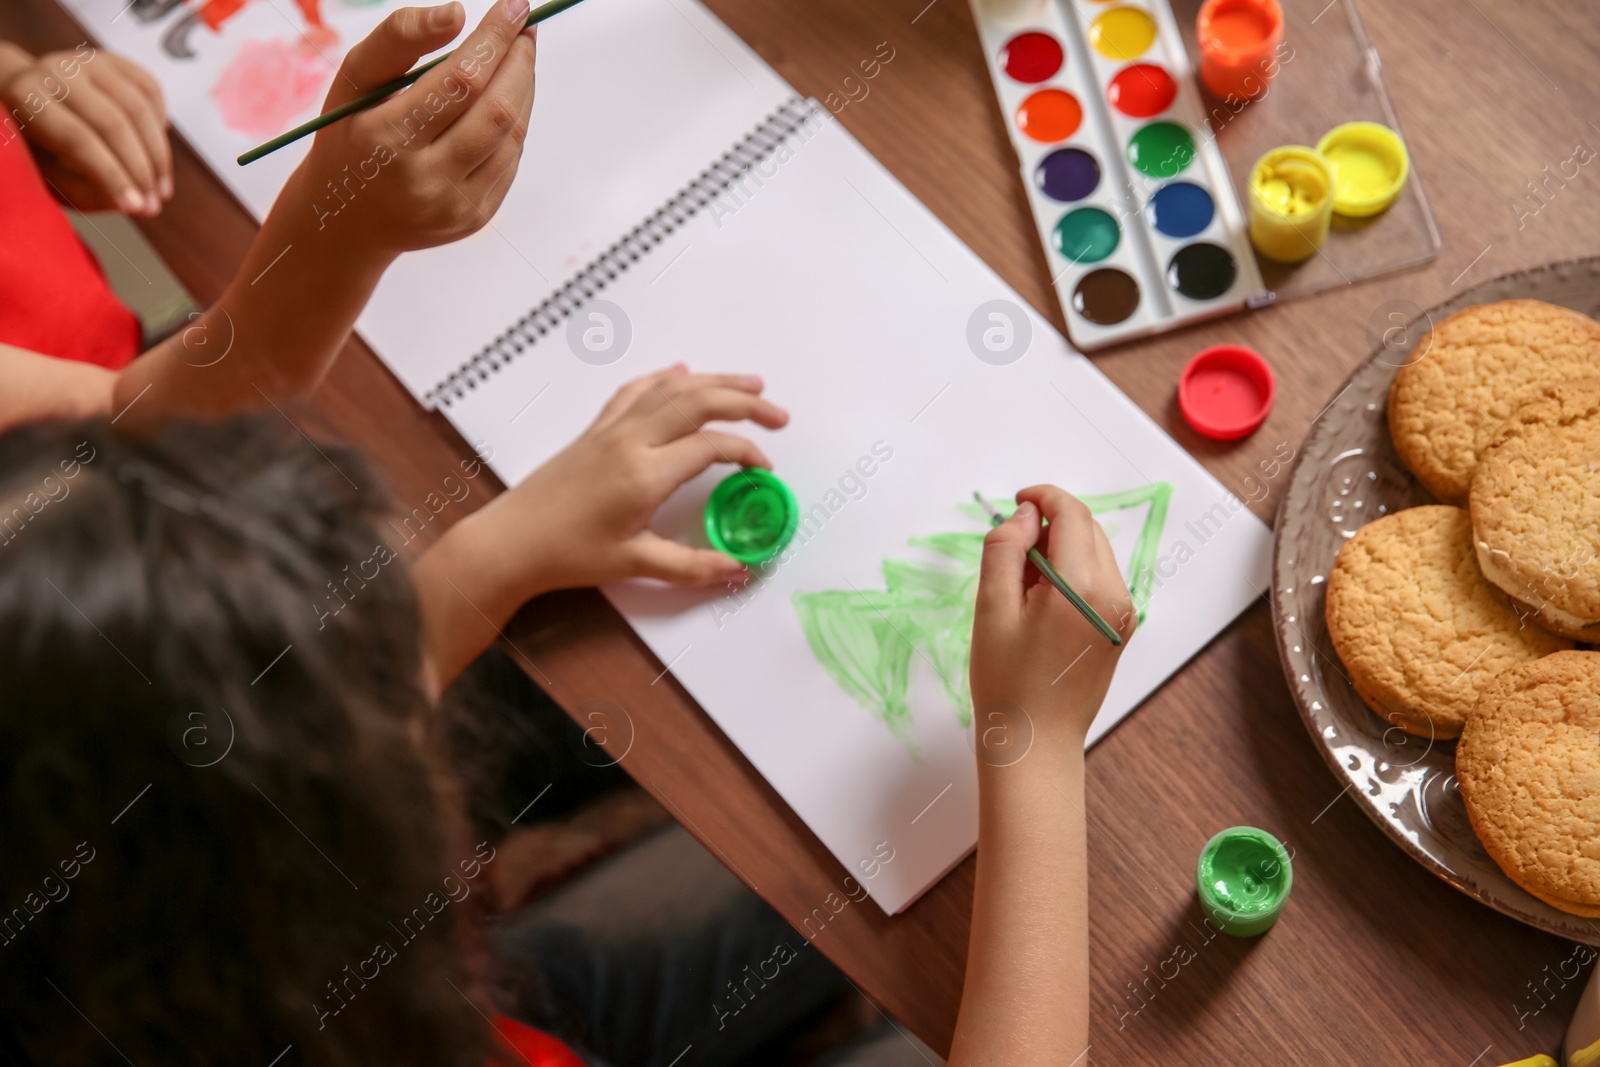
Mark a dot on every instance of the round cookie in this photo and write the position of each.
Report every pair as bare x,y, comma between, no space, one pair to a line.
1529,770
1535,506
1418,629
1470,372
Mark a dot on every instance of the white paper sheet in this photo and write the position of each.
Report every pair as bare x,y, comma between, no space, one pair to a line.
633,98
854,303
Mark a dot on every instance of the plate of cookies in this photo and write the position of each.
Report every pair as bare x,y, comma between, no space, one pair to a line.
1437,587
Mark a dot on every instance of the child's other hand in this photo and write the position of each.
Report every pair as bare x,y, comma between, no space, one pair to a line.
97,123
432,163
585,515
1031,649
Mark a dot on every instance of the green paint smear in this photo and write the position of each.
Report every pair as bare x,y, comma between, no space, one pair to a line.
870,640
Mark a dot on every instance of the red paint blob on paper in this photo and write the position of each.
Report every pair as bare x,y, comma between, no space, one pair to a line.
1031,57
268,85
1143,90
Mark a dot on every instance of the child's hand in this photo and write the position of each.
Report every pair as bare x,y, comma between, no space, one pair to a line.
585,515
97,123
432,163
1031,649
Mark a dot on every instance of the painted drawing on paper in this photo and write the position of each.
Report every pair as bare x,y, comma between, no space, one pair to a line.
265,84
268,84
185,19
872,641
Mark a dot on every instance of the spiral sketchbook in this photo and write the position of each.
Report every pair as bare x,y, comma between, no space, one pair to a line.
678,201
913,375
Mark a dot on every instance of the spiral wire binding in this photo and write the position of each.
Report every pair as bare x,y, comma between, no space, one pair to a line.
754,148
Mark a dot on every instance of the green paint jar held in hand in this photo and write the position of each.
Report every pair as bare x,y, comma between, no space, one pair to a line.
1244,876
751,515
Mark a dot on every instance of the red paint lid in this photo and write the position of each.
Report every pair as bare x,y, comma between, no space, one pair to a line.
1226,392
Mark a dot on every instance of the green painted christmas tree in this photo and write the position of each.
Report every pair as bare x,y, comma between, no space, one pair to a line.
869,640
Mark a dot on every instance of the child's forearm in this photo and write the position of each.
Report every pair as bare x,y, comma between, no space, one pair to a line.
469,583
35,387
1026,995
274,332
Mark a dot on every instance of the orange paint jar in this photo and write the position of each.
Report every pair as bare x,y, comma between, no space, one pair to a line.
1239,42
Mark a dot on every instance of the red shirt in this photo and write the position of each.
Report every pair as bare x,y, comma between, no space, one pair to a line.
53,297
531,1047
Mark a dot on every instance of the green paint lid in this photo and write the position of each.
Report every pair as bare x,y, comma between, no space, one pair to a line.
1244,876
751,515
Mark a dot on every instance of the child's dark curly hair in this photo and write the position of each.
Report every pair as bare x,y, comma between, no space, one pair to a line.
217,823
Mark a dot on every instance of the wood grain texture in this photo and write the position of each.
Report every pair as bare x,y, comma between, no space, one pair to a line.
1375,961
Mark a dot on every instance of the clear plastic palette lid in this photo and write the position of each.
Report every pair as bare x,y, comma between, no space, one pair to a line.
1328,74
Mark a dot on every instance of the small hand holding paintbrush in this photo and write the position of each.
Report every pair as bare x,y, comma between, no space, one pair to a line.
1037,559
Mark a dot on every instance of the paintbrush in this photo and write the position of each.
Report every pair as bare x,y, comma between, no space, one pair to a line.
384,91
1037,559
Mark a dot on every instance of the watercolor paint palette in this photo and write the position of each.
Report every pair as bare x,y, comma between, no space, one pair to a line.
1133,201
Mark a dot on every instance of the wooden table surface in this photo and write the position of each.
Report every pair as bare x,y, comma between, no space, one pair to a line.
1375,960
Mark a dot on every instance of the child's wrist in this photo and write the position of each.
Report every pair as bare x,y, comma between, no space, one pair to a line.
1008,734
511,561
1051,768
1060,737
1038,711
13,60
302,210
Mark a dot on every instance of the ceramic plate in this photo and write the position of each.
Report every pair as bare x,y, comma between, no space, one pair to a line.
1349,475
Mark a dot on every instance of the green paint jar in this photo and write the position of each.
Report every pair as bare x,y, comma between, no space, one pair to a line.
751,515
1244,876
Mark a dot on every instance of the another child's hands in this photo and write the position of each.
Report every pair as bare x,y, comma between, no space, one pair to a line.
585,514
97,123
433,162
1032,652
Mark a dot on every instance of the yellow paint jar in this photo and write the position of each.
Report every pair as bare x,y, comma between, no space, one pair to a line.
1291,202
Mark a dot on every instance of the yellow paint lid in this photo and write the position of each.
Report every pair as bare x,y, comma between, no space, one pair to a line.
1370,166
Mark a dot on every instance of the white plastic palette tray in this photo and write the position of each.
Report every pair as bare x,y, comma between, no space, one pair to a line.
1092,282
